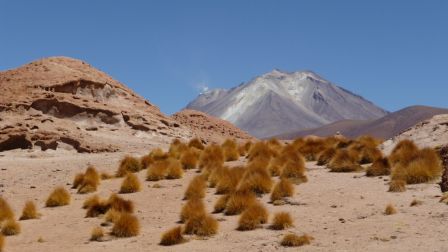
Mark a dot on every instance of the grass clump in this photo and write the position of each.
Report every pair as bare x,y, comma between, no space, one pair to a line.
77,181
2,242
196,188
128,164
390,209
201,225
324,157
90,181
211,156
126,226
157,170
130,184
293,240
196,143
416,202
112,215
344,161
5,210
229,180
29,211
256,178
189,159
254,215
424,166
238,201
59,197
380,167
97,234
10,227
281,220
230,150
192,208
283,188
174,169
403,152
221,203
172,237
295,171
122,205
397,185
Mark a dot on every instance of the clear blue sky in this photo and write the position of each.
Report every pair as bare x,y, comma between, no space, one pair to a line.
394,53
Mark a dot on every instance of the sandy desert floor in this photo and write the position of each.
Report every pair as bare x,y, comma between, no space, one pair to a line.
342,211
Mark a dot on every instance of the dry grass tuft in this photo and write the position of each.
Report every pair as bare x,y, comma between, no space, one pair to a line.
202,225
157,170
96,207
260,149
2,243
221,203
282,220
369,154
195,142
192,208
256,179
238,201
177,148
416,202
311,147
390,209
128,164
106,176
174,169
230,150
283,188
211,156
92,200
90,181
189,159
130,184
77,181
295,171
397,185
293,240
423,167
5,210
251,218
344,161
10,227
243,149
29,211
59,197
403,152
229,180
380,167
112,215
324,157
172,237
97,234
126,226
118,203
196,188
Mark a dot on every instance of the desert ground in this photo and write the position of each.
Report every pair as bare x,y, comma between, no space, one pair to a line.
342,211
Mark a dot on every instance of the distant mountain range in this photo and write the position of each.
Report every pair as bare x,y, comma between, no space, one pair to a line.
386,127
279,102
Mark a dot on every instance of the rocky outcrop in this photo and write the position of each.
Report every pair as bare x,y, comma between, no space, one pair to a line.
209,128
61,101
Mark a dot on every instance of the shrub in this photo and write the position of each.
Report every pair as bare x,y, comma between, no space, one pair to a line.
96,207
282,220
325,156
403,152
174,169
177,148
196,188
229,180
221,203
128,164
5,210
230,150
118,203
238,201
90,182
312,147
425,166
189,159
130,184
283,188
77,181
295,170
126,226
172,237
195,142
10,227
29,211
344,161
380,167
369,154
256,178
202,225
97,234
192,208
390,209
59,197
397,185
260,149
254,215
293,240
157,170
211,156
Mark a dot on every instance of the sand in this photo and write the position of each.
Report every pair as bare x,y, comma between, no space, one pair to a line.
343,212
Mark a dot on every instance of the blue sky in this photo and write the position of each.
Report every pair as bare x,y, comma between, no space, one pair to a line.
394,53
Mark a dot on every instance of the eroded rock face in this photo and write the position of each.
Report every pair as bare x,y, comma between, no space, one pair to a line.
209,128
60,100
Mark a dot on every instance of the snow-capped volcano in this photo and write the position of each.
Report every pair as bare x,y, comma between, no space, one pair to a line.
279,102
